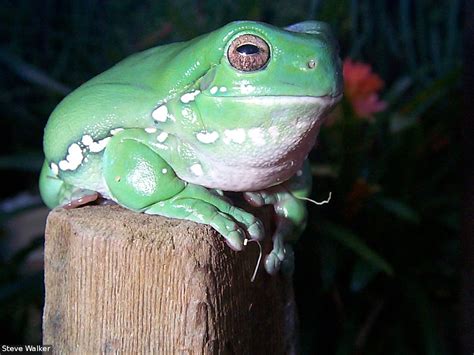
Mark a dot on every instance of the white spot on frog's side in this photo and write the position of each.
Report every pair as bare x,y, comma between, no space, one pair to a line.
54,169
160,114
75,151
161,146
164,170
223,89
162,137
115,131
256,135
87,140
245,87
73,159
213,90
190,96
234,135
150,130
299,173
94,147
207,137
197,169
274,131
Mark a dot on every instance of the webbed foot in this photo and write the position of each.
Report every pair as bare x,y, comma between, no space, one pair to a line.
198,204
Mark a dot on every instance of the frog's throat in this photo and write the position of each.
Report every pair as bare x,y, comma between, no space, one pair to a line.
283,147
258,166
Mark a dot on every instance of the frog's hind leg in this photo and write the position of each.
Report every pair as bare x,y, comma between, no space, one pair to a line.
290,212
140,179
55,192
50,186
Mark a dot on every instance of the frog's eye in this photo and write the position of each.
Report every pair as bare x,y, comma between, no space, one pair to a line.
248,53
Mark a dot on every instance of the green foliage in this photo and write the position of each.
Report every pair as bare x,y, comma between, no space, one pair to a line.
356,244
377,267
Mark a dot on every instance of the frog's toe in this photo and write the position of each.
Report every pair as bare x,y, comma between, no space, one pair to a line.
254,199
235,240
230,230
256,230
82,200
202,212
263,197
272,263
253,226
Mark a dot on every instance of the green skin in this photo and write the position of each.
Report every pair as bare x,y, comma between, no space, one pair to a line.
167,130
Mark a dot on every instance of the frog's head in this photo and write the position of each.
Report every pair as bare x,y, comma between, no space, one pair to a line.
259,60
263,97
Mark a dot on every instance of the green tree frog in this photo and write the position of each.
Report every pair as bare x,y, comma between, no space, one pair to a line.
169,130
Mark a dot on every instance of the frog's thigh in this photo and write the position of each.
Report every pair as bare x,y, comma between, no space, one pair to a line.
136,175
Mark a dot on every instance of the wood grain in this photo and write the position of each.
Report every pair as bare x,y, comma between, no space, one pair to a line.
119,281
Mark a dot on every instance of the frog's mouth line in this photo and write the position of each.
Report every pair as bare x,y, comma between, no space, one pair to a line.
289,100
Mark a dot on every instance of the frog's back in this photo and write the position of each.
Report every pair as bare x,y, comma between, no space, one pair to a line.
121,97
125,95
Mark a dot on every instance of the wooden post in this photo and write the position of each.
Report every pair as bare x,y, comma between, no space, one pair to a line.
119,281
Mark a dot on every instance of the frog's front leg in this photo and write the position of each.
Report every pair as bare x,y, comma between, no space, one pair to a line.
140,179
197,204
291,215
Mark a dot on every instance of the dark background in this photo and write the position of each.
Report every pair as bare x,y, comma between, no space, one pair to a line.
378,269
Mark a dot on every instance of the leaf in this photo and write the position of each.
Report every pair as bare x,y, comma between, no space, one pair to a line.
399,122
399,209
424,312
429,95
357,245
32,74
362,274
398,89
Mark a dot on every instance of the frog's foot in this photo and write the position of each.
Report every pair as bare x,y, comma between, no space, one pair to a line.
81,201
253,226
282,253
71,196
290,220
74,197
197,204
284,260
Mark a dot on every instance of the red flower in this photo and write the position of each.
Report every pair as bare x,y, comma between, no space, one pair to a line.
361,87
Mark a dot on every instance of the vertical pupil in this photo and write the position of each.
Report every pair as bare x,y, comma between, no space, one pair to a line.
248,49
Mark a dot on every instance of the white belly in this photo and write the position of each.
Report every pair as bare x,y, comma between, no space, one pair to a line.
250,172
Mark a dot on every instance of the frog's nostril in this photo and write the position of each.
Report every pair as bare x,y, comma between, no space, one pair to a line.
311,64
